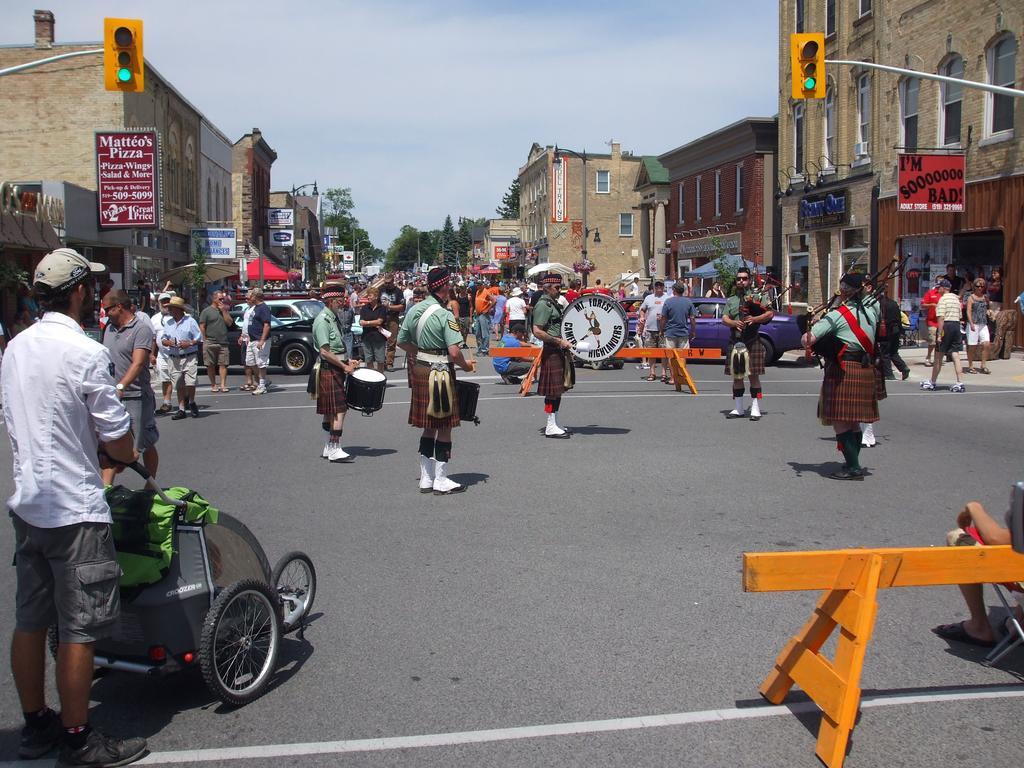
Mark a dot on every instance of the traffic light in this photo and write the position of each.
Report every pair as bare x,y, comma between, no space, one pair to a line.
807,63
123,65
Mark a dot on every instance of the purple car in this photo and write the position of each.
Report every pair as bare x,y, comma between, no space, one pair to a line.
780,335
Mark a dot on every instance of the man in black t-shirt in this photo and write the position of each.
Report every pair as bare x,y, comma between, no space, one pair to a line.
392,298
955,283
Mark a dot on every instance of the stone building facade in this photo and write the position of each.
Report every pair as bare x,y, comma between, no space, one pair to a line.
721,196
550,206
251,158
214,176
839,156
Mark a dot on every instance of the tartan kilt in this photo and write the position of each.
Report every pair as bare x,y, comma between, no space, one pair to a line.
551,379
755,350
420,400
848,395
330,397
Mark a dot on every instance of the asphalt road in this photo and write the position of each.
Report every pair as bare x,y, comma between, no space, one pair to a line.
581,603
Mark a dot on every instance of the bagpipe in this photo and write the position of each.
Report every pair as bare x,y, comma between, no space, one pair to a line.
829,347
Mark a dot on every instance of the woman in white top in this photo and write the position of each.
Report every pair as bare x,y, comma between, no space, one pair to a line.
515,309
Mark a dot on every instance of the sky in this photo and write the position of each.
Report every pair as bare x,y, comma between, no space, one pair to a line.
430,108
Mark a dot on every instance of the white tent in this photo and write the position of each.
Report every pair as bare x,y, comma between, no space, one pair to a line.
549,266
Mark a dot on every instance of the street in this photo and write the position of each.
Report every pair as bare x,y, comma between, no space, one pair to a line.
581,603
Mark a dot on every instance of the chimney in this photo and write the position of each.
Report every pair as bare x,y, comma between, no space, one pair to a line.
616,147
44,28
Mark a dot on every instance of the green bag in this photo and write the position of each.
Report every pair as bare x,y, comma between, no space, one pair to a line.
144,530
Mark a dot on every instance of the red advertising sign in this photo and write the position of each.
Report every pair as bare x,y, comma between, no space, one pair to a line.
503,252
126,179
931,183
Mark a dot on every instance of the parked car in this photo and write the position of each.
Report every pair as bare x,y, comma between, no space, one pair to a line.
778,336
285,309
291,344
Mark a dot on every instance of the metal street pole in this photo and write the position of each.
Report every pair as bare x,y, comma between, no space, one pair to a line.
1001,90
586,234
259,255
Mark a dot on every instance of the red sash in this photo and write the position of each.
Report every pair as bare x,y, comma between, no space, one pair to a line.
851,320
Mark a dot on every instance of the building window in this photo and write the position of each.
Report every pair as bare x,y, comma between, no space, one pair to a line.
190,177
952,102
797,266
855,246
1002,61
604,182
228,215
798,138
739,188
718,193
209,200
864,114
865,7
682,202
830,125
909,89
625,225
799,15
697,198
830,17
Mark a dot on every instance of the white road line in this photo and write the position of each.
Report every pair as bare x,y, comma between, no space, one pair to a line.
385,744
577,396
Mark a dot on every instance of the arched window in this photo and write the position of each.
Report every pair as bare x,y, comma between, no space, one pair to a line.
209,200
910,88
224,197
1001,64
829,148
173,168
951,101
216,203
190,176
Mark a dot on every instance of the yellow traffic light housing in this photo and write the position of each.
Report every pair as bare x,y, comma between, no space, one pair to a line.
807,65
123,64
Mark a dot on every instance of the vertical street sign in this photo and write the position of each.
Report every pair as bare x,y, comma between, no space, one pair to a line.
127,189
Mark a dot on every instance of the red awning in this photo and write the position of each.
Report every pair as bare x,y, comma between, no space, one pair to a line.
270,270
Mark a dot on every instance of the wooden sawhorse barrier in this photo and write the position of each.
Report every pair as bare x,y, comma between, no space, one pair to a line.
676,359
851,579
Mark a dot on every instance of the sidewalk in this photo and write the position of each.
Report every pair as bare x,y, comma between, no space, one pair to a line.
1005,373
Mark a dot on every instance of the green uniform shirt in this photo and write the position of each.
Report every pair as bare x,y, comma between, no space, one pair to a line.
547,315
440,331
834,324
734,310
326,332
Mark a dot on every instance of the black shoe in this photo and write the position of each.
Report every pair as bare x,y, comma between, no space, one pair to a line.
514,380
102,751
194,409
37,741
906,374
179,414
847,474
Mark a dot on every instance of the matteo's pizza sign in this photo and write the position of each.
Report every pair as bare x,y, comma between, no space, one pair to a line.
127,183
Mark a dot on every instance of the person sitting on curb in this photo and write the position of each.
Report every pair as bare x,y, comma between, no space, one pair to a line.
975,527
511,369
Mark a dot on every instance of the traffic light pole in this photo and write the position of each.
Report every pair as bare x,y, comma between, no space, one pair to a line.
1000,89
40,62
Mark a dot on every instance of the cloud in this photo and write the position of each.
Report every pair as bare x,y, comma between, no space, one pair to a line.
425,109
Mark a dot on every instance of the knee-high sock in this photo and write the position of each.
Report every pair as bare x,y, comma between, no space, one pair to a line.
427,447
551,404
442,451
335,436
737,394
850,446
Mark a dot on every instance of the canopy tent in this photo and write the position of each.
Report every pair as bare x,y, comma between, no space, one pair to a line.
549,266
270,270
217,270
709,271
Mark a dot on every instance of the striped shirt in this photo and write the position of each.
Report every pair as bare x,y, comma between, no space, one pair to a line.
949,308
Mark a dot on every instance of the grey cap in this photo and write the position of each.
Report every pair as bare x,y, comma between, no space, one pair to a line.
63,269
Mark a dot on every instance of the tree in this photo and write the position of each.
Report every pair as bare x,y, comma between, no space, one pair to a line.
464,240
449,244
509,208
338,207
724,267
404,250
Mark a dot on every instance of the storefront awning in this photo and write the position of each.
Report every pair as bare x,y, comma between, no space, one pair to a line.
27,232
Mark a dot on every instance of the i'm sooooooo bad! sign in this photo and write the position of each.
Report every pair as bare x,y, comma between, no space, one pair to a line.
596,326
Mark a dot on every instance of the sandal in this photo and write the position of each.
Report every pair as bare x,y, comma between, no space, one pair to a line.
652,378
984,370
666,380
969,370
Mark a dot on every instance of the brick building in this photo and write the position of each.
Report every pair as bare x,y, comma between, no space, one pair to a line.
550,209
839,155
251,158
51,114
721,196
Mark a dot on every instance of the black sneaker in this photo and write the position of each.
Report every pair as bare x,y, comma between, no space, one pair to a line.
102,751
194,409
36,742
845,473
906,374
179,414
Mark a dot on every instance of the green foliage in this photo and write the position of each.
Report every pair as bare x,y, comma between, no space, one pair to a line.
725,268
337,212
464,241
403,251
196,275
10,275
509,208
449,247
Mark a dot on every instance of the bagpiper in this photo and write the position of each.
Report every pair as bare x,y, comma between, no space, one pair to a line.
745,357
557,372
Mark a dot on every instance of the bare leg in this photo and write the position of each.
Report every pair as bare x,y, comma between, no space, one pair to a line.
151,460
74,681
937,366
28,666
976,626
985,348
970,355
223,377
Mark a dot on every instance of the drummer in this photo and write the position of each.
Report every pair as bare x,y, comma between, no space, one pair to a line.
557,374
430,336
334,366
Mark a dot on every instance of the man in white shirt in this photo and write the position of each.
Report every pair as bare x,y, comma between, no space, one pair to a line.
634,288
64,419
649,326
158,363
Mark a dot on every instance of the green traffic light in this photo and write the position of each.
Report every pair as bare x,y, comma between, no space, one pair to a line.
810,83
124,75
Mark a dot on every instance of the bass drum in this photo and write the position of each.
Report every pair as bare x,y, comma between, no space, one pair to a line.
467,393
364,390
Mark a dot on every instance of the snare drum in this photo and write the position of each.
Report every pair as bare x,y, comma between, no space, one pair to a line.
364,390
467,393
